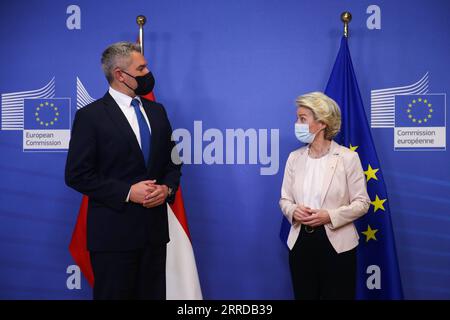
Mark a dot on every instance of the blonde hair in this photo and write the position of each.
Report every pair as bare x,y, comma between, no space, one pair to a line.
324,109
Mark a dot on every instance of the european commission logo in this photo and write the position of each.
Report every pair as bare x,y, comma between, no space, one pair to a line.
44,120
418,117
46,124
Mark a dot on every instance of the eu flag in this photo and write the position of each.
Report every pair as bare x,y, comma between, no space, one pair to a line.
420,110
47,114
378,274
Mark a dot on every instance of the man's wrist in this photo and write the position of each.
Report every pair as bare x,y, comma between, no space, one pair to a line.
169,191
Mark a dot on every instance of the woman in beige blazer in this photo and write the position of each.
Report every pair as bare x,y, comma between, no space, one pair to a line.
323,192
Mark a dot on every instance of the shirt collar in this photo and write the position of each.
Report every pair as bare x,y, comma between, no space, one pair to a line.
122,99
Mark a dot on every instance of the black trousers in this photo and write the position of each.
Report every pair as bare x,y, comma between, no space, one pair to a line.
318,272
126,275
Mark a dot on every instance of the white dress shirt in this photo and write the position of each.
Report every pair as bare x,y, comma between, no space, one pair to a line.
312,186
124,103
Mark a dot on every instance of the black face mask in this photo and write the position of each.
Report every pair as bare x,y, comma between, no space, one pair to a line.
145,83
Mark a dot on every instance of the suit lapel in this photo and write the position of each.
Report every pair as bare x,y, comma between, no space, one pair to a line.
329,171
300,173
151,116
122,124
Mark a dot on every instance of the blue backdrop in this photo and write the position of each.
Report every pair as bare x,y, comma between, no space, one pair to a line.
230,65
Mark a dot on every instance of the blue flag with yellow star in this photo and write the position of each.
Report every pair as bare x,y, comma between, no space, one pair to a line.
378,275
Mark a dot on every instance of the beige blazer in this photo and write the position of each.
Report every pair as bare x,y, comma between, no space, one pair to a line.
344,195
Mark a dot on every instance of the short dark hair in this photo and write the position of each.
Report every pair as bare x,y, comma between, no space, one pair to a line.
117,55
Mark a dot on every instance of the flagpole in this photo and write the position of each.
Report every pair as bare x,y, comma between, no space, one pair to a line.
141,20
346,17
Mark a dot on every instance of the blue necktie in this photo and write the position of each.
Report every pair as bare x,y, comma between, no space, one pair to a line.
143,130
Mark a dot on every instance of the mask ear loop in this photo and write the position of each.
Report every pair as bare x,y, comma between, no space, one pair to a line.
320,129
315,135
127,73
125,82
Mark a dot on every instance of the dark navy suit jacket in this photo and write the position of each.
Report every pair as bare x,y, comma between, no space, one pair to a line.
105,159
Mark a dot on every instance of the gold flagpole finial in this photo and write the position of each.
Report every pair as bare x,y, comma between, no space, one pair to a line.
346,17
141,20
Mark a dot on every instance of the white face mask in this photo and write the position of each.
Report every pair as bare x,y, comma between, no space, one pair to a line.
302,133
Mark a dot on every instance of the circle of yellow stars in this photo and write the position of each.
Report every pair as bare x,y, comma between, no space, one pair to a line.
378,204
47,105
416,103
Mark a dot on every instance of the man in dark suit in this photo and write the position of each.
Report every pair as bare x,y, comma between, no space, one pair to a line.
120,156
